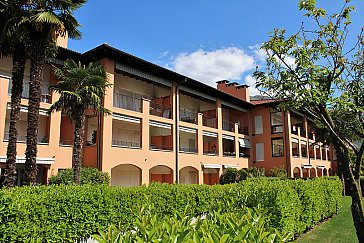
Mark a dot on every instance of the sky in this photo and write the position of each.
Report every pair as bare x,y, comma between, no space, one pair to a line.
208,40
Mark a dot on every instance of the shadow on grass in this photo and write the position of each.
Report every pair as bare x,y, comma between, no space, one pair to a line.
336,230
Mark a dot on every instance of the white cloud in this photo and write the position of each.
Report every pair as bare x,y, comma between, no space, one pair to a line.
259,54
210,66
251,81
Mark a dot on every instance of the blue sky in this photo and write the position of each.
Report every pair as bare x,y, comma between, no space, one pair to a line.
208,40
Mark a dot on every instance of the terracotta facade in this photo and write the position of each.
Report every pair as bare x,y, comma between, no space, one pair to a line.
154,112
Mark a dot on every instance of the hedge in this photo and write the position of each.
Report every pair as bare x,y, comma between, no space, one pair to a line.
65,213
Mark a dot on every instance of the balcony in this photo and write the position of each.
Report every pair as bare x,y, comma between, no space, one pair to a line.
126,131
23,138
128,102
46,96
187,140
210,143
276,129
187,116
209,121
310,135
160,110
302,132
160,135
228,126
243,130
228,146
66,142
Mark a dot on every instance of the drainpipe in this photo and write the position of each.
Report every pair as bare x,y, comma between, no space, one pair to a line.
176,129
99,140
287,142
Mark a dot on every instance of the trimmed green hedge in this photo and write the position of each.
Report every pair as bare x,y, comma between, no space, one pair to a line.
69,212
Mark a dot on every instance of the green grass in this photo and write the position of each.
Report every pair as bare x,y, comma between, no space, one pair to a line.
336,230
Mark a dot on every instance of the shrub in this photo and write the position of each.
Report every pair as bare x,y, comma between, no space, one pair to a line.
279,172
229,176
244,225
65,213
233,175
88,175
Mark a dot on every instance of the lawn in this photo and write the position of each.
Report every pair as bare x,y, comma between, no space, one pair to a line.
338,229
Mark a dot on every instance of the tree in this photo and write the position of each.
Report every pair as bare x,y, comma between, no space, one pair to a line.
80,87
45,21
325,80
13,44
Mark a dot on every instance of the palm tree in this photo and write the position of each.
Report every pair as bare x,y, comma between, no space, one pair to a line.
80,87
45,21
12,44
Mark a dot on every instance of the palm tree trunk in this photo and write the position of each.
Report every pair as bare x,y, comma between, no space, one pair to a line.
19,59
78,146
35,93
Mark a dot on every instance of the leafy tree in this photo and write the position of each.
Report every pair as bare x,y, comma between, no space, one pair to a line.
45,21
80,87
326,81
13,44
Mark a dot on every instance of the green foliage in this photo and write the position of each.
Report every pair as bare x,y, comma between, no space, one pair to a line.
232,175
279,172
244,225
65,213
88,175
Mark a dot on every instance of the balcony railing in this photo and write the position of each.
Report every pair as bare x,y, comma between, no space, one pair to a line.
209,121
161,147
127,102
160,110
303,133
276,129
229,154
66,142
187,116
23,138
46,96
228,126
243,130
129,144
294,130
210,152
243,155
310,135
188,149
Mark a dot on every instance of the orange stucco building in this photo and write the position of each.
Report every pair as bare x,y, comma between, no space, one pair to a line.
165,127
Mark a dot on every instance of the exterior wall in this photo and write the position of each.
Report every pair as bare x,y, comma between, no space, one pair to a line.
143,165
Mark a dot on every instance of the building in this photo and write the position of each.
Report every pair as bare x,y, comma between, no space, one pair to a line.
165,127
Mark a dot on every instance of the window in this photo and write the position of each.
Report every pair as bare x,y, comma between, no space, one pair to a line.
258,125
277,147
295,148
259,151
304,149
276,122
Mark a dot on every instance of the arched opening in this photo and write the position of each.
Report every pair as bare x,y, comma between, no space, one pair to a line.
325,172
188,175
330,172
211,176
161,173
319,172
312,173
305,172
126,175
296,172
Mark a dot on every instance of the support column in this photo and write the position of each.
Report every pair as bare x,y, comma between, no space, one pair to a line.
199,135
219,126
